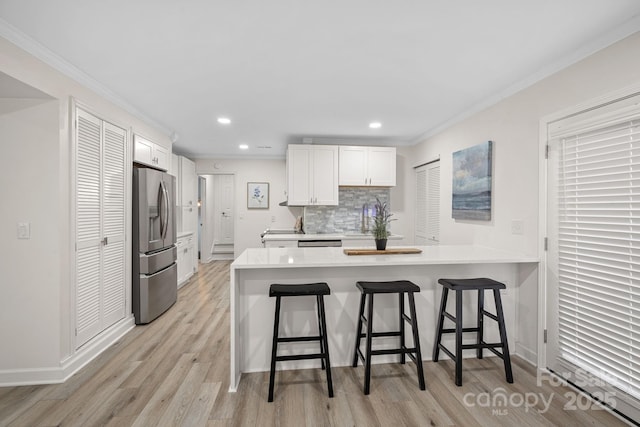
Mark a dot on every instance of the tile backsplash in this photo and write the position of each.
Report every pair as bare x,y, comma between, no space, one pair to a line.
347,216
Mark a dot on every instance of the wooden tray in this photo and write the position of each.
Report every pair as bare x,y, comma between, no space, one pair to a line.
393,251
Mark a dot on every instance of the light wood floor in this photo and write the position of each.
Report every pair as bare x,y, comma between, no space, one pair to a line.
175,372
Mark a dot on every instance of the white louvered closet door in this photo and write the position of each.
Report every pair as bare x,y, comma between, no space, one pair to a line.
428,204
100,225
113,199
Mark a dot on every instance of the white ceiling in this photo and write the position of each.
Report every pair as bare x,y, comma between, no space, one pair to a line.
286,69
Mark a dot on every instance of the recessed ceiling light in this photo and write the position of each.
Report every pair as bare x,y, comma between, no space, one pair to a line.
375,125
243,146
224,120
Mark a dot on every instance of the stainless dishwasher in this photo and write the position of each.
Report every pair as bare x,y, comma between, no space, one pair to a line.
320,243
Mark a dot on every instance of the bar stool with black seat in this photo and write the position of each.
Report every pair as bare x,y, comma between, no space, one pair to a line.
459,286
319,290
399,287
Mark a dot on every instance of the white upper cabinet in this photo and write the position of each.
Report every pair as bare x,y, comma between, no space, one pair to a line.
149,153
368,166
312,175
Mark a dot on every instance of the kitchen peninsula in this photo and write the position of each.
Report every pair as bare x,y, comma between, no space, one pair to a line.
256,268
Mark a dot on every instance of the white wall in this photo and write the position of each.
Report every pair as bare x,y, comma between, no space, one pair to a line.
513,125
30,268
251,222
36,178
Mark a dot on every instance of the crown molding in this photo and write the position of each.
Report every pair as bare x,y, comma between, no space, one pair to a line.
620,32
42,53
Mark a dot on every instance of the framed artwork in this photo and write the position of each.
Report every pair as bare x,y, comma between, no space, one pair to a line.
472,182
257,195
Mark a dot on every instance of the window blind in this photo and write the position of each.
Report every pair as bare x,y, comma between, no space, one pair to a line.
599,249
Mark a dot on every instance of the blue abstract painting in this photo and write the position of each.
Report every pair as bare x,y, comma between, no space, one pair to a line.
472,182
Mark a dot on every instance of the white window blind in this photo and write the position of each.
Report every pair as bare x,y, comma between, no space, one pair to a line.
598,235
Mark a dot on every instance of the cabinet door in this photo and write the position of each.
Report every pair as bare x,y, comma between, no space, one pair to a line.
353,169
175,171
381,166
162,157
143,151
180,260
325,175
188,182
299,166
189,218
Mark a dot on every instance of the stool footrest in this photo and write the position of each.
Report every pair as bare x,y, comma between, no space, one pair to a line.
449,316
453,330
299,339
300,356
393,351
481,345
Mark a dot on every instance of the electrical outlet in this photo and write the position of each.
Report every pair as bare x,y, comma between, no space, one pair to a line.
273,218
24,230
517,226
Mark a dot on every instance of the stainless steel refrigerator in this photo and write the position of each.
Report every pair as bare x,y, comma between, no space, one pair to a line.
155,275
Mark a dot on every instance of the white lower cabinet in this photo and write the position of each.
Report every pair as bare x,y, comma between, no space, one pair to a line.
186,258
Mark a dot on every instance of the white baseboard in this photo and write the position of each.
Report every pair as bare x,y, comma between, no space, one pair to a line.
527,354
72,364
222,257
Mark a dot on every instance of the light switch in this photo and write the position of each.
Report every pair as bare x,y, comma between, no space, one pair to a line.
24,230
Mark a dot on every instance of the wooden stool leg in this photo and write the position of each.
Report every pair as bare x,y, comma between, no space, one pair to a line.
325,344
480,323
503,336
401,317
274,349
367,363
416,340
443,307
458,338
358,331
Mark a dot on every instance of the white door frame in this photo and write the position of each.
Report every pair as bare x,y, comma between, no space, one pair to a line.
202,215
207,244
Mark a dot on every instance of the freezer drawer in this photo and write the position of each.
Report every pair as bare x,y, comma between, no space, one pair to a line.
150,263
157,292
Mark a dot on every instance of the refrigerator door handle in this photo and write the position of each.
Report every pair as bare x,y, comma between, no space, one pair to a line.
165,205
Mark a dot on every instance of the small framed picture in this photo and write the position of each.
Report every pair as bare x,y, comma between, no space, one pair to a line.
257,195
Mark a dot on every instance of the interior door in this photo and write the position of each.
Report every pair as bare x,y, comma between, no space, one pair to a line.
223,207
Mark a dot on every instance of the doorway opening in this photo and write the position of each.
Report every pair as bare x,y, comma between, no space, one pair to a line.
216,217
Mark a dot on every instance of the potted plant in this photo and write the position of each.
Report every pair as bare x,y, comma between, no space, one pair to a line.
381,224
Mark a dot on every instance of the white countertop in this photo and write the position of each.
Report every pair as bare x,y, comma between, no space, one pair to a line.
256,258
325,236
184,234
